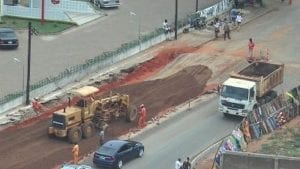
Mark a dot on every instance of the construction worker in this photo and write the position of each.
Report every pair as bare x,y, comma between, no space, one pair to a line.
75,152
142,116
37,106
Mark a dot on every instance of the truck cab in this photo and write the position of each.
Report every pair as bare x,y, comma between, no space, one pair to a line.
237,97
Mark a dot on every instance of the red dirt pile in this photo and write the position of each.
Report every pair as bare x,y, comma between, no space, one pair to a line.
160,94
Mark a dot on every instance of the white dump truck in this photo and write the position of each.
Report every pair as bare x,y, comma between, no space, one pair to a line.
250,87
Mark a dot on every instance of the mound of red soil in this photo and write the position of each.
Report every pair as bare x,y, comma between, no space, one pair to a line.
158,95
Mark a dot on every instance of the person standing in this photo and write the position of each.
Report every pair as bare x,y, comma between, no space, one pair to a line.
142,116
226,29
217,28
75,152
178,164
186,164
250,49
101,135
238,21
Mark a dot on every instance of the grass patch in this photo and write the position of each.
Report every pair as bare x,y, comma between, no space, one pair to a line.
286,142
48,27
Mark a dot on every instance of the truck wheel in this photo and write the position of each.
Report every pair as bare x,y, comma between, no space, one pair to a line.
131,113
88,130
74,135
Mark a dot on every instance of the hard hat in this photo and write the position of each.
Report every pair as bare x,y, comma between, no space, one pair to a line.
142,105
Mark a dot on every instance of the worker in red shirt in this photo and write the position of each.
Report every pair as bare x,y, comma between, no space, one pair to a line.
250,47
142,116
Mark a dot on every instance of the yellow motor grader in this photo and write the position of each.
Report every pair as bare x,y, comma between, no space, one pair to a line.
79,121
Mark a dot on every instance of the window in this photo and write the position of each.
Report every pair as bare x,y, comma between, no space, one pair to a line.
125,147
252,93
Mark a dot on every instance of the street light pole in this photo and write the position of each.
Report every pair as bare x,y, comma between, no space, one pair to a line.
28,63
176,18
23,74
197,5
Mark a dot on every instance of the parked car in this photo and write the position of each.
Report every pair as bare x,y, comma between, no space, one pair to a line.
8,38
106,3
114,153
73,166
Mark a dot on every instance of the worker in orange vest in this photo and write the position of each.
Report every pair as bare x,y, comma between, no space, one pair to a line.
142,116
37,106
75,152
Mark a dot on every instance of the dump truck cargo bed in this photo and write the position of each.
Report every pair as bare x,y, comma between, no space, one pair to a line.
266,75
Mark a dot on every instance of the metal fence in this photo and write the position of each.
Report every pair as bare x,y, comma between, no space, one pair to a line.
77,72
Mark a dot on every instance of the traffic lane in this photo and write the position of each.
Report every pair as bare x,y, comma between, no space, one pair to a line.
53,54
185,134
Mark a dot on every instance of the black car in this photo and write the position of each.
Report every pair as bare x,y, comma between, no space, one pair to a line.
8,38
114,153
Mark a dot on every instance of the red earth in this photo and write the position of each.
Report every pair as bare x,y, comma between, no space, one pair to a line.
27,146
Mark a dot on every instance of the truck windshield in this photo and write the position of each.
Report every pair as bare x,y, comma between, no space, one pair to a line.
234,92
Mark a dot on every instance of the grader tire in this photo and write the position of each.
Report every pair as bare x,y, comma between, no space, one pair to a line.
74,135
88,130
131,114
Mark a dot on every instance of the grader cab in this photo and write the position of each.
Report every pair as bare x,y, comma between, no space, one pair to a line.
89,113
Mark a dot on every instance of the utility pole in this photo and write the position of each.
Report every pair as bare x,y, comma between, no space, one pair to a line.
176,18
196,5
28,63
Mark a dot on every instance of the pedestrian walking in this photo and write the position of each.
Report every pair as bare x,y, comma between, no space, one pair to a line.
178,164
217,28
166,27
75,152
186,164
239,20
226,29
250,47
101,135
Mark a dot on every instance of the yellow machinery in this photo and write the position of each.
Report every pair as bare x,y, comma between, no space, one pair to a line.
81,119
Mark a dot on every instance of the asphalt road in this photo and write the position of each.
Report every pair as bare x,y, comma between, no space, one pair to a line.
182,135
192,131
53,54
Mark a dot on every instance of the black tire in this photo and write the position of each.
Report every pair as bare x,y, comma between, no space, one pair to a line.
88,130
131,114
74,135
